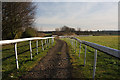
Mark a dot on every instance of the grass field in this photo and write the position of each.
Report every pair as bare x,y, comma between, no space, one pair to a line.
107,66
109,41
25,63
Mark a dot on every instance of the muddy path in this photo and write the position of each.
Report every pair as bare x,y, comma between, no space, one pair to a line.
56,64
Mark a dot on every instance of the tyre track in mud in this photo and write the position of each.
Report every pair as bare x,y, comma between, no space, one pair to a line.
56,64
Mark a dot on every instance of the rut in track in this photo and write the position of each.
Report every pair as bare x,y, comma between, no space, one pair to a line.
56,64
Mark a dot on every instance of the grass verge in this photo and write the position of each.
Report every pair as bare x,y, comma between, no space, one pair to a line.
107,66
9,70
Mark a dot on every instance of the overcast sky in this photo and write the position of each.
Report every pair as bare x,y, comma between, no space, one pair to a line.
84,15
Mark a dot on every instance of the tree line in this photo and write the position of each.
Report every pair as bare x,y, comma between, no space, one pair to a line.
65,30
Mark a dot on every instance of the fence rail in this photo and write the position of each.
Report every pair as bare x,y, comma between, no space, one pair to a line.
109,51
24,39
3,42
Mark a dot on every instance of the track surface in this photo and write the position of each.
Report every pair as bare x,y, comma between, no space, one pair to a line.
56,64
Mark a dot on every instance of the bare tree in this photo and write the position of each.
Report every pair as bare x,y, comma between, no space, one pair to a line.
78,29
67,29
15,17
57,29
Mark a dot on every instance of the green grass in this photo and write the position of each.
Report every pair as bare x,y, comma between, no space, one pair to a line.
48,34
107,66
109,41
9,70
59,53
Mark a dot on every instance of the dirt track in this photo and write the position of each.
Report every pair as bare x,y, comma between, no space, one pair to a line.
56,64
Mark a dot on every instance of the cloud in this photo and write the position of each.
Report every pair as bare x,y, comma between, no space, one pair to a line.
99,15
75,0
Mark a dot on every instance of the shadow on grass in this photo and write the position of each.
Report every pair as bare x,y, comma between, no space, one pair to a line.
3,59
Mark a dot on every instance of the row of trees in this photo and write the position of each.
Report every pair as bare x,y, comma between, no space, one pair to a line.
67,29
17,17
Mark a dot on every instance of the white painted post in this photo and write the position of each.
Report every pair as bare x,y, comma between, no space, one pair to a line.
16,56
49,42
37,46
45,43
79,49
95,61
76,46
30,50
85,55
42,45
52,41
72,42
76,43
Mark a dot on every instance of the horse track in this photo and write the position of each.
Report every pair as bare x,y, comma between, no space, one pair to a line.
56,64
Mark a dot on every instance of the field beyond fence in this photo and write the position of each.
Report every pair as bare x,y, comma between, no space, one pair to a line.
107,66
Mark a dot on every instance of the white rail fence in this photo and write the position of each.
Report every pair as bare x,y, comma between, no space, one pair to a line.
28,39
107,50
